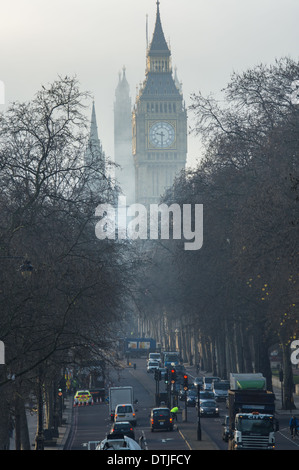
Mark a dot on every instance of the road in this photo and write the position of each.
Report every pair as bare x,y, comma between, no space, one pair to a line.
93,423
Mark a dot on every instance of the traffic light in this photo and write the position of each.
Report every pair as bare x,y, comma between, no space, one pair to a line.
173,376
166,378
186,386
157,375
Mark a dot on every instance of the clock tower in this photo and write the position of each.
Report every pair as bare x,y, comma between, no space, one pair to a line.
159,123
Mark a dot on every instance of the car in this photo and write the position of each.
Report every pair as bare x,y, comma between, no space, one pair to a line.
83,397
152,366
123,427
180,371
125,412
207,382
191,397
161,419
209,408
118,442
225,430
206,395
182,394
220,390
198,381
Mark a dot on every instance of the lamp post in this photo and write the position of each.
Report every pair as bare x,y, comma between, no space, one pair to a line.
198,413
39,438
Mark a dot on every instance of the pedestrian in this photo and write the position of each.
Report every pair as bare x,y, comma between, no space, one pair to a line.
294,423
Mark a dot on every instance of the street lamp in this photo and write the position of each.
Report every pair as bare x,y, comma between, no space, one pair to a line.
198,412
39,438
26,268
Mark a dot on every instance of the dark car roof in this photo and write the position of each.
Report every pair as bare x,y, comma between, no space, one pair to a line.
161,408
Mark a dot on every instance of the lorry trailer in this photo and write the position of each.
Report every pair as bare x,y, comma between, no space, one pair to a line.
118,396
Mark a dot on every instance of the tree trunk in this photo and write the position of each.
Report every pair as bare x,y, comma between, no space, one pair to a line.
288,381
5,419
25,441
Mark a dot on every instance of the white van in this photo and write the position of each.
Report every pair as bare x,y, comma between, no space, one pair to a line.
154,357
125,412
207,382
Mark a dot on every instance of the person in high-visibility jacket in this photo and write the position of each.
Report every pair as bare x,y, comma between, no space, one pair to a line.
173,412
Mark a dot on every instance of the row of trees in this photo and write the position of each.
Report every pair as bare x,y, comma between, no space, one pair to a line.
224,305
66,312
237,297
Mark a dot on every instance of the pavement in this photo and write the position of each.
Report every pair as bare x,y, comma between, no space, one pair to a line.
63,430
188,431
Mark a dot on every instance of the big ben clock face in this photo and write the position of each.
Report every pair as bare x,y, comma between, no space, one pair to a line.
161,135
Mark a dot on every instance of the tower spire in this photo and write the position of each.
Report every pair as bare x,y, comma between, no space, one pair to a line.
159,44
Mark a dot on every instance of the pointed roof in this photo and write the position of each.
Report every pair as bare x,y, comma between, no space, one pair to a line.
93,136
94,146
123,87
158,44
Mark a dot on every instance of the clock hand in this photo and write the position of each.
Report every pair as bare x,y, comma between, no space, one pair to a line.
161,134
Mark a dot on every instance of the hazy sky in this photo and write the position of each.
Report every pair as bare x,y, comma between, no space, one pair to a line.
94,39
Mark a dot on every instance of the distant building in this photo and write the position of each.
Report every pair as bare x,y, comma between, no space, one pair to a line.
159,123
125,172
95,161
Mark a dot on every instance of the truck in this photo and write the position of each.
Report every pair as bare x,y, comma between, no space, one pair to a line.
171,358
136,347
251,421
118,396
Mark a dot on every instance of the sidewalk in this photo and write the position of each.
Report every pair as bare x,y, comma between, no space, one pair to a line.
63,430
277,390
188,431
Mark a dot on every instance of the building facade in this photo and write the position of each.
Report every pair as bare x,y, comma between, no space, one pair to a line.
124,171
159,123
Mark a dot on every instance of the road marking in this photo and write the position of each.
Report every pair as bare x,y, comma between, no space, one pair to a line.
182,435
289,439
144,441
